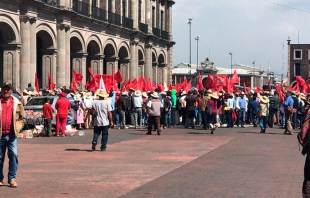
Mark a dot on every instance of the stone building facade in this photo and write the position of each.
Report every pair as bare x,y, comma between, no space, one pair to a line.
298,61
56,36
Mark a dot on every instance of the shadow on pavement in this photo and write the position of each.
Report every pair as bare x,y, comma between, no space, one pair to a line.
197,133
73,149
258,133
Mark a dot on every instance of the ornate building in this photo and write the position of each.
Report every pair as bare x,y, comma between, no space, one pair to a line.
56,36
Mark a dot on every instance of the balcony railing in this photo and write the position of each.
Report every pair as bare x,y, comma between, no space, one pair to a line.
127,23
81,7
156,32
98,13
164,35
114,18
143,28
50,2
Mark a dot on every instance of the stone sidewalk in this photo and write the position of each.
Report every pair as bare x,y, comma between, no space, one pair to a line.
236,162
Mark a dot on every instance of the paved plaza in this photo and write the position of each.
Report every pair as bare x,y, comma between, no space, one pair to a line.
238,162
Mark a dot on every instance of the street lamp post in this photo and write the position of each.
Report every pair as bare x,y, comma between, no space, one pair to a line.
230,53
197,39
189,22
254,73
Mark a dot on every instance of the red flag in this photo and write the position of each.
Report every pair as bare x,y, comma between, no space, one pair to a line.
235,88
279,90
269,87
160,87
132,84
209,82
258,89
305,89
296,87
148,86
37,83
118,76
91,72
300,80
93,85
229,89
140,83
220,80
199,83
244,88
51,85
235,79
78,77
188,86
123,87
73,85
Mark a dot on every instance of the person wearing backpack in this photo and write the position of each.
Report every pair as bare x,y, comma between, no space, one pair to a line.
122,108
272,110
166,108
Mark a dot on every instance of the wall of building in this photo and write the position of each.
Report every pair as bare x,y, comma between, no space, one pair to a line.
54,39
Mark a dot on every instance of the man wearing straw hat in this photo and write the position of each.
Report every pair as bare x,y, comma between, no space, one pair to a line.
153,113
103,120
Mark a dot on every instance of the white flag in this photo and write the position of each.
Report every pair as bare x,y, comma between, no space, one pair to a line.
102,86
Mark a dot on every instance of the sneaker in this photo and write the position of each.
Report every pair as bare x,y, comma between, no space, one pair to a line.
57,135
1,183
103,150
63,135
148,133
93,147
12,183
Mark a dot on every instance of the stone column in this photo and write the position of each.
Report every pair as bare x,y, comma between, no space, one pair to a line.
169,20
61,60
148,15
68,53
25,51
134,13
169,65
33,50
113,6
148,61
165,75
134,59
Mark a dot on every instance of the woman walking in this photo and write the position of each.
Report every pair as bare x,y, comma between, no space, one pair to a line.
211,110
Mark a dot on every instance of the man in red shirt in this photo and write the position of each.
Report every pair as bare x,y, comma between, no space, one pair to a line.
48,117
12,121
62,106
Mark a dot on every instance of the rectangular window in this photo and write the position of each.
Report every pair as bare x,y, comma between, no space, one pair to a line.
124,8
298,54
110,6
297,69
139,8
162,20
153,16
94,3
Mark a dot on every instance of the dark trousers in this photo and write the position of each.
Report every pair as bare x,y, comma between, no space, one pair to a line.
272,112
47,127
153,120
173,116
229,119
104,139
204,119
295,124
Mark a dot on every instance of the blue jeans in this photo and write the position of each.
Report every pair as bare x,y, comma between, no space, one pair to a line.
104,138
242,116
263,122
9,142
116,118
168,118
138,116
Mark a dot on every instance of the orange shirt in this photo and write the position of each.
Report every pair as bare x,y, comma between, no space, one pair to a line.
7,115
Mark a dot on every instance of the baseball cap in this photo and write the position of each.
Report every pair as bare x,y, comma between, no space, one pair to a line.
7,84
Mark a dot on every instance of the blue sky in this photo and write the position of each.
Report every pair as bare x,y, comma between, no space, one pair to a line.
253,30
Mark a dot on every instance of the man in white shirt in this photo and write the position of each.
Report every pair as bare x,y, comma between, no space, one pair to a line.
103,120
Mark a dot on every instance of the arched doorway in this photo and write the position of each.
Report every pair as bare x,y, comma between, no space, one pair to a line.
45,58
141,63
76,56
123,62
110,62
161,69
94,58
7,53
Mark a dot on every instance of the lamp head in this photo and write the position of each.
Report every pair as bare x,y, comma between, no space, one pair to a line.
197,38
189,21
230,53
